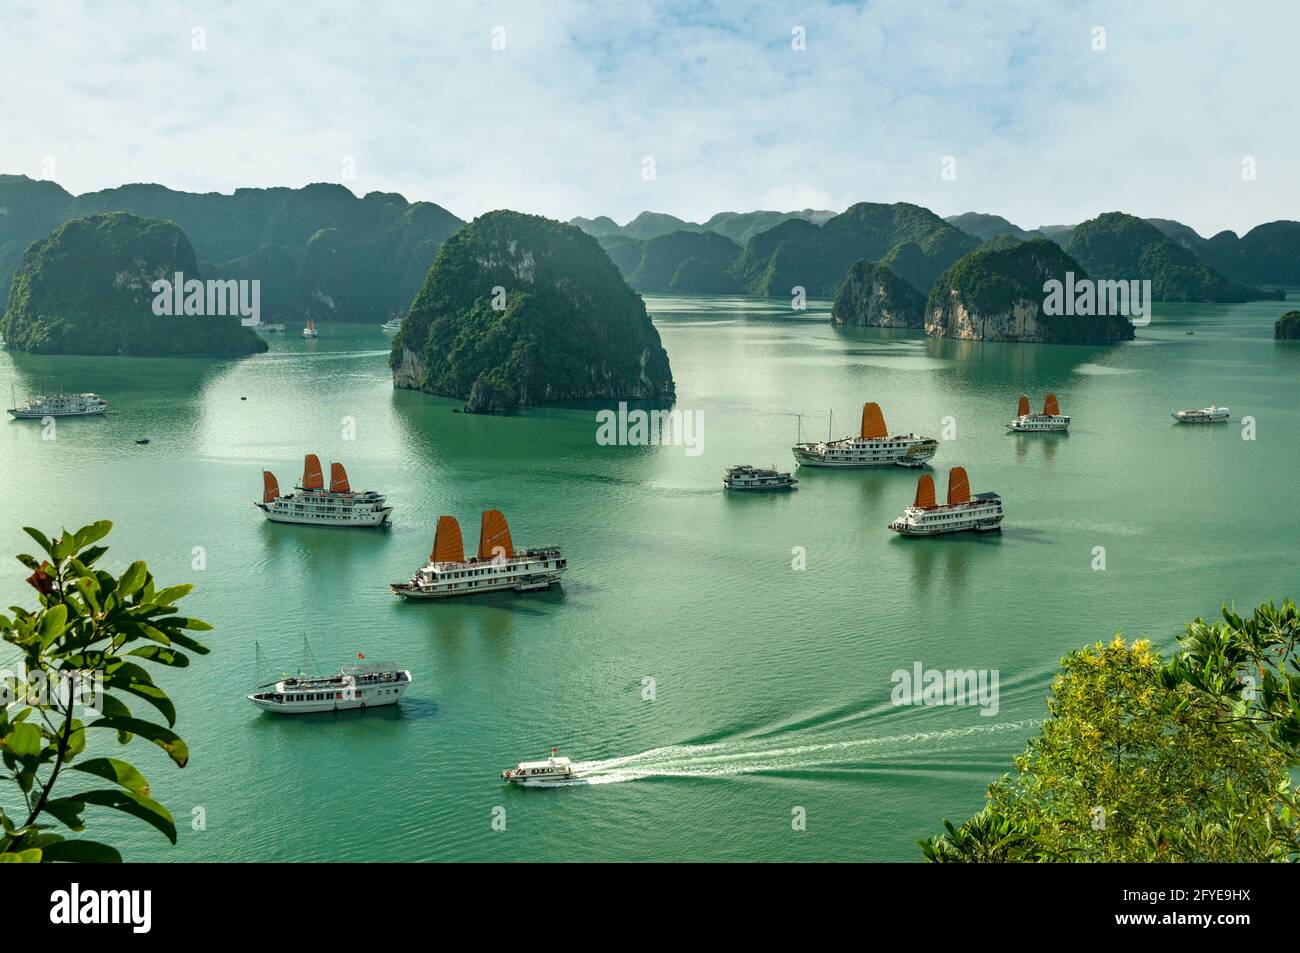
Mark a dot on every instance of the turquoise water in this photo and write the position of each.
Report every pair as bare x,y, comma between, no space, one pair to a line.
771,685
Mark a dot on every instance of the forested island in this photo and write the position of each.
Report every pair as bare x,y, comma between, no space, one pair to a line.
519,309
87,289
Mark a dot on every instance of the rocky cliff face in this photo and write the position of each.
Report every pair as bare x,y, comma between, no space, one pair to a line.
517,310
873,296
996,294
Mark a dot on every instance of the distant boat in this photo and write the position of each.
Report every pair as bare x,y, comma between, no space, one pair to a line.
340,505
269,328
873,447
362,685
981,512
745,477
1206,415
393,324
141,439
497,566
59,405
1050,420
310,330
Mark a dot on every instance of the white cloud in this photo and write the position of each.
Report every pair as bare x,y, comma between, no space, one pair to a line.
1044,129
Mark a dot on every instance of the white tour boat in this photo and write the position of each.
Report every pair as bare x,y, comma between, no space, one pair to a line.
393,324
745,477
363,685
497,566
60,405
340,505
310,330
981,512
1206,415
873,447
554,770
1051,420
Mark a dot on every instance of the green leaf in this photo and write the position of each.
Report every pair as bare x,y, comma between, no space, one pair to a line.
169,595
41,541
67,810
137,805
162,655
23,740
54,621
32,856
118,771
92,533
132,579
81,852
164,738
146,690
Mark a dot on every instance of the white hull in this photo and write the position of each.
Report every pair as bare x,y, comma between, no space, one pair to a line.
362,520
38,415
982,515
445,590
377,698
852,453
1039,423
977,526
790,485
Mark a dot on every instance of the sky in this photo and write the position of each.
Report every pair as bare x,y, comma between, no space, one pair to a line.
1041,111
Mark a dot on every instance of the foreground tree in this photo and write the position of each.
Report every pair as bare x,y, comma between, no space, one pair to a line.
1137,762
77,648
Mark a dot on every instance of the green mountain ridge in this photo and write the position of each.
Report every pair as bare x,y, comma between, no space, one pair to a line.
563,325
87,289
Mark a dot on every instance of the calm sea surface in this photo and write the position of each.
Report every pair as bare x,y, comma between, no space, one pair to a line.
770,686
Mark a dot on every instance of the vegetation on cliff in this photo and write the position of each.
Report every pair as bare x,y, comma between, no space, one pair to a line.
871,295
1287,327
519,309
996,293
87,289
1123,247
797,253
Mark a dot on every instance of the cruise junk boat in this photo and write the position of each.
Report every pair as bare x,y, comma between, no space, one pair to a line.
1213,414
59,405
361,685
1051,420
497,566
340,505
981,512
873,447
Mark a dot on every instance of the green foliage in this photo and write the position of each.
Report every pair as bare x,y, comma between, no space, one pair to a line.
1287,327
1144,761
800,253
87,289
680,262
1119,246
873,295
570,327
89,624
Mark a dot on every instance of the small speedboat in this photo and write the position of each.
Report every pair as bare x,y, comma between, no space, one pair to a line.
141,439
553,771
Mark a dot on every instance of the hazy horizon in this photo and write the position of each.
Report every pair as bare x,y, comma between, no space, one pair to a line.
1043,115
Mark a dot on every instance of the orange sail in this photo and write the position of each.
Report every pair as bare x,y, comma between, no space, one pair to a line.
447,545
925,492
270,487
873,422
1050,407
494,536
339,479
958,486
311,475
1023,409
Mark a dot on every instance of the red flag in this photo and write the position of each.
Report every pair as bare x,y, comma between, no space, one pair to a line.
360,655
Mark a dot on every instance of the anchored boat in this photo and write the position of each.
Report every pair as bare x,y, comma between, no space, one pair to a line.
362,685
873,447
981,512
59,405
497,566
1049,421
1206,415
553,771
394,323
310,330
745,477
340,505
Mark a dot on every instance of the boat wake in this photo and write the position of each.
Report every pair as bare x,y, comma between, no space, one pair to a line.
731,758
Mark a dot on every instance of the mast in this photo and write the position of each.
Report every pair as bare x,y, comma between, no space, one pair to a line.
830,426
259,666
309,665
